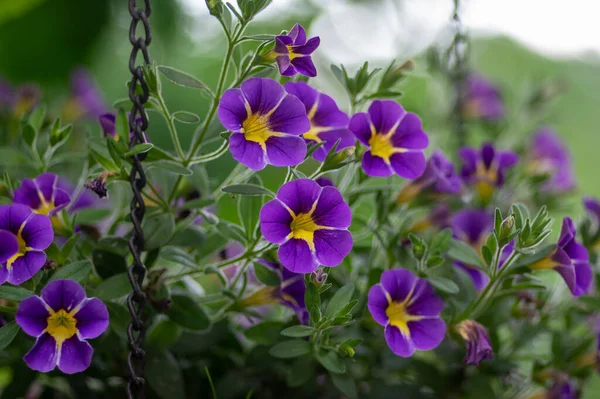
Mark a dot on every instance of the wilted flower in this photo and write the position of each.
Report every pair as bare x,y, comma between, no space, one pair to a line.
410,311
483,99
86,99
438,178
292,53
98,185
327,123
24,236
550,157
395,140
310,223
486,168
570,259
479,347
62,319
266,123
42,194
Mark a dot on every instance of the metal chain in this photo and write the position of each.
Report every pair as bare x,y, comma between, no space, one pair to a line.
458,74
138,123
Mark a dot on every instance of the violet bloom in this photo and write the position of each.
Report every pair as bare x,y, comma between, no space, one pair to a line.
266,123
43,194
570,259
324,181
562,389
486,168
550,157
410,311
592,205
86,99
439,178
310,223
108,123
483,99
24,236
479,347
395,140
292,53
62,319
328,123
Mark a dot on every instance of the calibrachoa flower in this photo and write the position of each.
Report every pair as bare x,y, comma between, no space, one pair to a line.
550,157
486,168
292,53
570,259
62,319
410,311
266,123
483,99
438,178
86,99
479,347
327,123
43,194
108,123
24,236
310,223
593,207
395,140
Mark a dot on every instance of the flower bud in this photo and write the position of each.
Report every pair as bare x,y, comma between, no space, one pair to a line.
98,185
478,343
318,277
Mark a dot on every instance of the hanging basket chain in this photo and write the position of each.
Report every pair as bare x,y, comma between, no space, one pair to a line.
458,73
138,123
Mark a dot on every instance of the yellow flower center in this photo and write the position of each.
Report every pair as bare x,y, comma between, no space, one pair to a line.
544,264
291,53
45,207
381,143
398,315
303,227
256,126
61,325
22,249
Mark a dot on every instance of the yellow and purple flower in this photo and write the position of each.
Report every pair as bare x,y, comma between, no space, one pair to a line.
292,53
410,311
86,99
479,347
266,123
62,319
44,194
570,259
328,123
24,236
395,140
483,99
309,223
550,157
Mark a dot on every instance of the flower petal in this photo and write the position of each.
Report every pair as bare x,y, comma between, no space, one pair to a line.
398,343
45,184
75,355
285,150
63,294
31,316
360,126
426,334
42,356
9,245
375,166
289,117
377,303
409,165
13,216
305,66
331,210
470,224
424,301
385,114
398,283
275,222
309,47
298,34
480,279
583,278
332,246
27,194
26,266
92,318
295,255
299,195
232,110
262,94
37,232
410,134
308,95
247,152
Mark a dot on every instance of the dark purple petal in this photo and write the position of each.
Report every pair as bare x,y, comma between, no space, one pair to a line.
262,94
478,343
108,123
281,43
232,110
289,117
299,195
298,34
13,216
275,222
360,126
75,355
385,115
427,333
295,255
424,301
398,343
408,165
576,251
593,206
378,304
567,232
305,66
27,194
304,92
470,225
9,245
469,157
487,154
63,294
398,283
328,114
330,137
43,355
410,134
92,318
45,184
583,278
332,246
247,152
567,272
331,210
31,316
324,182
37,232
375,166
86,93
285,150
311,45
285,65
26,266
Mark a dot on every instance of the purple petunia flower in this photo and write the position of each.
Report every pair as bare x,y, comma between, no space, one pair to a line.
438,178
395,139
310,223
85,99
43,194
327,122
479,347
483,99
486,168
410,311
550,157
570,259
292,53
108,123
266,123
62,319
24,236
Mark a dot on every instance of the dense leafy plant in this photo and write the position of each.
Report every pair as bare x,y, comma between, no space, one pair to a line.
341,253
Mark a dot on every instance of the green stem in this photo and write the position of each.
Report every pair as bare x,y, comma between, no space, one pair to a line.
172,129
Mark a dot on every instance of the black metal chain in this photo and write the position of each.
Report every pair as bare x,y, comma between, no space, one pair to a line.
138,123
458,57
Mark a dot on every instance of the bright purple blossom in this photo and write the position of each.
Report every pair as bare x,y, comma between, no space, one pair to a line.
395,140
483,99
570,259
479,347
550,157
309,223
62,319
24,236
292,53
328,123
43,194
486,168
266,123
86,99
410,311
324,181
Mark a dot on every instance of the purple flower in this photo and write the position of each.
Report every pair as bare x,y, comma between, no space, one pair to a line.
438,178
570,259
550,157
327,122
486,168
24,236
86,99
483,99
62,319
310,223
479,347
324,181
292,53
108,123
562,388
43,194
592,205
410,311
395,139
266,123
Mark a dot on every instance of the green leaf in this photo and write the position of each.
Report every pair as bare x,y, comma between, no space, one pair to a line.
164,375
13,293
266,275
122,125
462,252
443,284
261,38
441,241
106,163
90,216
186,117
298,331
76,271
36,119
183,79
331,361
313,302
171,166
179,256
345,384
247,189
29,135
164,334
591,302
265,333
186,312
158,230
139,149
290,349
231,231
339,300
248,212
119,318
7,333
114,287
114,151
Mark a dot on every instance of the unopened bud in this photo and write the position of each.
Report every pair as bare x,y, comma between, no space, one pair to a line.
506,227
98,185
319,277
